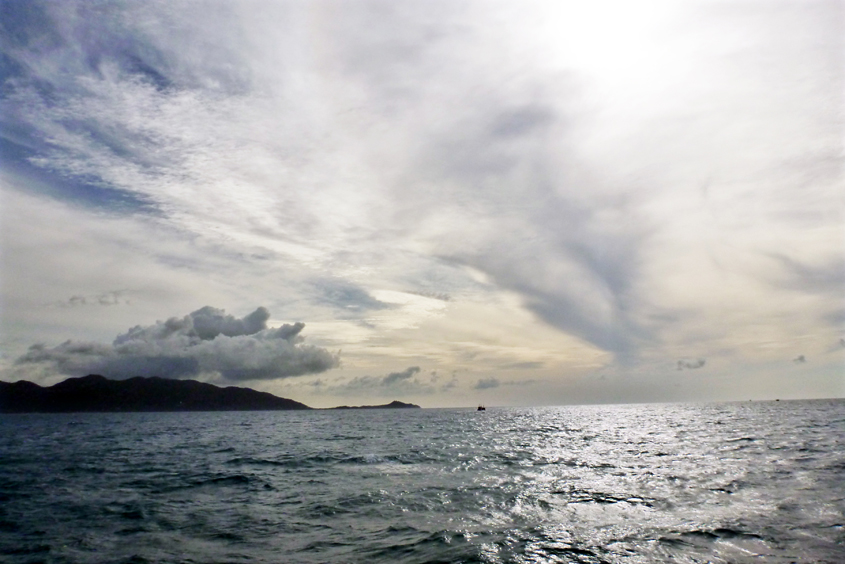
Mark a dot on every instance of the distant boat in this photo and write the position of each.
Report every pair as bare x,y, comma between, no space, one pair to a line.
481,408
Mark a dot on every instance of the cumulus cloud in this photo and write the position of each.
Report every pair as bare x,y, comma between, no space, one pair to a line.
206,341
205,323
685,364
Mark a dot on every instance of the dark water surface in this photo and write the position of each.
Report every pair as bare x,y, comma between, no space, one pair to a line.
736,482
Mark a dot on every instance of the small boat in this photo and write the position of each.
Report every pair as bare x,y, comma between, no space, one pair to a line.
481,408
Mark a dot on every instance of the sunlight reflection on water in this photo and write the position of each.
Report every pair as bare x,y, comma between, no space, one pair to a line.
648,483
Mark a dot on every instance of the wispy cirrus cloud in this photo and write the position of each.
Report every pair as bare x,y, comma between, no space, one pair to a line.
436,185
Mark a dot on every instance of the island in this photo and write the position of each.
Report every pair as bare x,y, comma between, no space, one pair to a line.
95,393
391,405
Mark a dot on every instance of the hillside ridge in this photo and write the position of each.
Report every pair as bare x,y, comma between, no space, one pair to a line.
96,393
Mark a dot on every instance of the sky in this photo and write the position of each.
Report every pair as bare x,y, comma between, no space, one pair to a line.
444,202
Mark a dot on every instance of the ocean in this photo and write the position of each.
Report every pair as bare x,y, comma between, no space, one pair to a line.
681,483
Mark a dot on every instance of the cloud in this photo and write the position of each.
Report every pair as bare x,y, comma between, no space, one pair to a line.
486,383
402,379
209,322
491,383
573,261
115,297
526,365
206,341
825,278
395,377
443,296
346,296
404,382
691,364
537,156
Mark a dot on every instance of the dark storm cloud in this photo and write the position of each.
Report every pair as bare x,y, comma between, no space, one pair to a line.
205,341
684,364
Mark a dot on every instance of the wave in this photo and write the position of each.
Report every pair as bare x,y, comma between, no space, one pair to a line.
624,488
25,550
321,460
586,496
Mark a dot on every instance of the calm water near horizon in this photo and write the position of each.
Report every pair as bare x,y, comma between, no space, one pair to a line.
721,483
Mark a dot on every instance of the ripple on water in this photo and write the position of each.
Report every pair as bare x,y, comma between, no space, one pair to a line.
613,484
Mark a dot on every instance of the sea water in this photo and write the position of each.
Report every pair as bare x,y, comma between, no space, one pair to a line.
734,482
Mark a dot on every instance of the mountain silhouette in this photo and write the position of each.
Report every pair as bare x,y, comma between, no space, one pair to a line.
99,394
